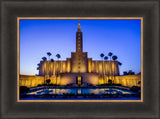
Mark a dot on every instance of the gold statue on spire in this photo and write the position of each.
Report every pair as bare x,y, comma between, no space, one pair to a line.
79,27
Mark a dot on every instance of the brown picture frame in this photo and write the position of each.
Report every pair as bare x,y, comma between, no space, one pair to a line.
10,10
79,18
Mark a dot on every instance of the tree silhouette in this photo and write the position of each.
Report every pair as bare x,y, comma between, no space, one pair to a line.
52,60
38,66
58,56
114,59
44,58
130,72
49,54
102,55
105,58
110,54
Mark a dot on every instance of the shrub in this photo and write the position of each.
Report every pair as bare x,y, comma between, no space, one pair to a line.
39,85
134,88
48,81
24,89
118,85
49,84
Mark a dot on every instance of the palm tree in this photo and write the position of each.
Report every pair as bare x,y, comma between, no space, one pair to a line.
110,72
102,55
114,59
110,54
105,58
58,56
49,54
52,60
44,59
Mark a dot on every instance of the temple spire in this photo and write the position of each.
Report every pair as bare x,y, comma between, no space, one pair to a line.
79,27
79,42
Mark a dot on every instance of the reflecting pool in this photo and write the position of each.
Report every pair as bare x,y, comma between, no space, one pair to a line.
80,93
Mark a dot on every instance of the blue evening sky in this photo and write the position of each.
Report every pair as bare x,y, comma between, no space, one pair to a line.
121,37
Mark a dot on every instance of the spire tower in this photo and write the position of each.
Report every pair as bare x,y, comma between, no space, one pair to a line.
79,42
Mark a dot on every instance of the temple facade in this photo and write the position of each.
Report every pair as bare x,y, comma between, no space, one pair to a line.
79,70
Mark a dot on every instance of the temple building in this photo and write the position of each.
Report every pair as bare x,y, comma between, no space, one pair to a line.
79,70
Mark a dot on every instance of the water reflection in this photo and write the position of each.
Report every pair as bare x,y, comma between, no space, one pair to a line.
80,91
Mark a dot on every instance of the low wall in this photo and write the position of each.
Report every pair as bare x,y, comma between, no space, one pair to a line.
90,78
30,81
